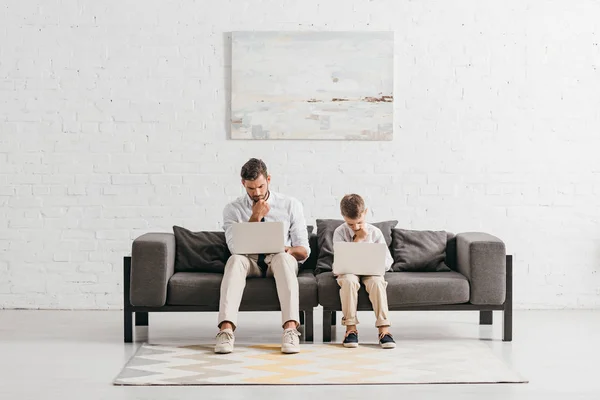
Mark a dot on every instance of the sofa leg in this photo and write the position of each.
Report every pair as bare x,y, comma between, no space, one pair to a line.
301,317
308,326
507,331
127,326
486,317
141,319
333,319
127,313
327,325
508,303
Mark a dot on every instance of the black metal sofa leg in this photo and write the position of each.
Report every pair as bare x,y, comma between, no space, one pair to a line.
327,315
127,313
141,318
507,316
127,326
308,326
486,317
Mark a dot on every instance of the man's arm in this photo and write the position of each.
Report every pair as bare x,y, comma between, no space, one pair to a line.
300,249
230,216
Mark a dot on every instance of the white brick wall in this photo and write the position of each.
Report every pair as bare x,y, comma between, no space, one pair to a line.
113,123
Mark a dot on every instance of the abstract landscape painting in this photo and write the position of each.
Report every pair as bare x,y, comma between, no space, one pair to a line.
312,85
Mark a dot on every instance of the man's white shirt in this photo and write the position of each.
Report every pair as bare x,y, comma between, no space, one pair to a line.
282,209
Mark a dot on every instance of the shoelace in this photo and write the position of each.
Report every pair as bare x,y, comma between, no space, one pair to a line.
289,335
349,332
228,335
382,335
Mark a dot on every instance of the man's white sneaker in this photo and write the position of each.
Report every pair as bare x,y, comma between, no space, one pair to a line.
225,340
290,343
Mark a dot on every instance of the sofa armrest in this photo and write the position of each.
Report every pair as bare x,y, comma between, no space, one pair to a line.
482,259
152,265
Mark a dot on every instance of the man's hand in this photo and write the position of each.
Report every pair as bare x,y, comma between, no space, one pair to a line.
298,252
360,235
259,210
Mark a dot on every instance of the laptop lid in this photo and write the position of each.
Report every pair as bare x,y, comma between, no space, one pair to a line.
359,258
258,237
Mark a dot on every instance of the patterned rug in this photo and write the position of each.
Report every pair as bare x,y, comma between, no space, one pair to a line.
412,362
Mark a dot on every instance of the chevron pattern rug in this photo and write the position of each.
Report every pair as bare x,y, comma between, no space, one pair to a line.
412,362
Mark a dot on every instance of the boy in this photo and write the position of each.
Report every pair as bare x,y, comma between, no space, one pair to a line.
356,229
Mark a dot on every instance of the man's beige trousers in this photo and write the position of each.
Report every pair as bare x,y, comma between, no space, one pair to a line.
282,266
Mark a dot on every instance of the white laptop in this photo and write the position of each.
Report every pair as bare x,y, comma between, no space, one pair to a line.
359,258
258,237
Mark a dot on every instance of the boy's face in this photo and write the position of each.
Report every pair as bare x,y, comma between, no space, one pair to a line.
358,223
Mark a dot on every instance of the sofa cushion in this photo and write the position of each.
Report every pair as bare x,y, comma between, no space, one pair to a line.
203,289
203,251
325,229
404,289
200,251
419,251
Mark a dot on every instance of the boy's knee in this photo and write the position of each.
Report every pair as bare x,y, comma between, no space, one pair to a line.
378,280
349,280
375,281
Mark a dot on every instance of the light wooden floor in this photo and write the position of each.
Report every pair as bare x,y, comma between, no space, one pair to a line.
76,354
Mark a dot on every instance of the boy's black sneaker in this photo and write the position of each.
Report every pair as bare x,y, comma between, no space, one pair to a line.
351,339
387,341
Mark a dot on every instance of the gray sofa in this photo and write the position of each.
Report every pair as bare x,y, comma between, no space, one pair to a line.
480,279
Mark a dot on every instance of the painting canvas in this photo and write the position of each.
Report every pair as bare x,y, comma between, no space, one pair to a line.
312,85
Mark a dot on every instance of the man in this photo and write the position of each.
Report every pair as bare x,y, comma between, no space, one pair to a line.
258,205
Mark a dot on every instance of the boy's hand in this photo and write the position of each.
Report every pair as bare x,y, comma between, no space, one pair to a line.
360,235
259,210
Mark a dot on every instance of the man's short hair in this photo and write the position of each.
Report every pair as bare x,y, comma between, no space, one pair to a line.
352,206
253,169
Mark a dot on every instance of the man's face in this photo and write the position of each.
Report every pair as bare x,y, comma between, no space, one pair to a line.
258,188
358,223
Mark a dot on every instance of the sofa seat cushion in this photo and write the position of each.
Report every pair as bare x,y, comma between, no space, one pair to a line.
203,289
404,289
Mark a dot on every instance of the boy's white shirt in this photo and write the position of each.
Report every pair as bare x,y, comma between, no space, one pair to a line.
344,233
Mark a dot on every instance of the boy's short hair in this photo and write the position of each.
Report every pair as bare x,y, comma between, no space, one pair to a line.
253,169
352,206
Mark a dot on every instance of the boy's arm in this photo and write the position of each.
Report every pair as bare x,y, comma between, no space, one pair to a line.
388,257
338,236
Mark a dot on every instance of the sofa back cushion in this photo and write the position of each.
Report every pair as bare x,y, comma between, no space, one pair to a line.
419,251
325,229
200,251
207,251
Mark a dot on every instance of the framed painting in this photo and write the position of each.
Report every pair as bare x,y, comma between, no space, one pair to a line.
312,85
